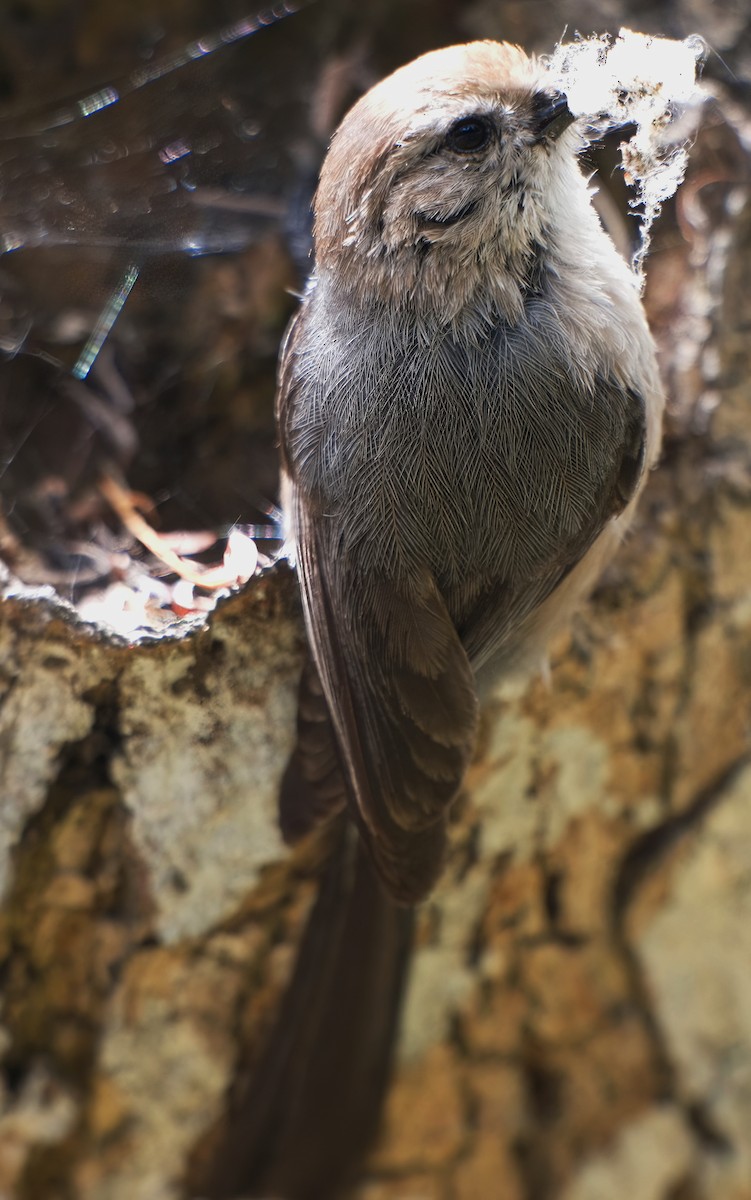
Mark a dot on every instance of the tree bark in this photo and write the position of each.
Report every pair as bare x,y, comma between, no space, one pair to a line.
577,1024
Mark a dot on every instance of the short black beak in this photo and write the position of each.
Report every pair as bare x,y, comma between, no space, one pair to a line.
552,114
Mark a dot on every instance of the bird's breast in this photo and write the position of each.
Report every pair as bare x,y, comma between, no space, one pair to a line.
471,458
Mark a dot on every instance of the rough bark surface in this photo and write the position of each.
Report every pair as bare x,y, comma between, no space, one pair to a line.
578,1020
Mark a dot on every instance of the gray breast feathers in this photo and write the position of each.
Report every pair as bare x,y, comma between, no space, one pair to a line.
482,462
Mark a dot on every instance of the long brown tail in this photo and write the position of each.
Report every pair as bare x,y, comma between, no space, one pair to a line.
310,1111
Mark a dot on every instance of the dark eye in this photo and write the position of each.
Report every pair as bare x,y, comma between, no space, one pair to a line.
468,135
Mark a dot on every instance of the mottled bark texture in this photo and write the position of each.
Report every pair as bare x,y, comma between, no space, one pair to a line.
578,1020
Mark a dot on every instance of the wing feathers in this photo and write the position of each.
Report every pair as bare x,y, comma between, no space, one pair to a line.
401,695
313,787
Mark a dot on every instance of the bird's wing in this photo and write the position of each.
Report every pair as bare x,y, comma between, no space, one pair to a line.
402,699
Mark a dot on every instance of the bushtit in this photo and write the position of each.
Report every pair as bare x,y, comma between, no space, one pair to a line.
468,403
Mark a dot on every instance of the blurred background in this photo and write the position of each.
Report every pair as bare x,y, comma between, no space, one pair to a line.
157,162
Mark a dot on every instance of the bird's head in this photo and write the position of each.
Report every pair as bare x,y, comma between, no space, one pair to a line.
449,180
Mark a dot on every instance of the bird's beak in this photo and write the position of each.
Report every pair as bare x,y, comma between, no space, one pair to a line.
553,116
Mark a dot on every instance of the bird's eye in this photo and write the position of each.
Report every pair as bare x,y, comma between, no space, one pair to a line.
468,135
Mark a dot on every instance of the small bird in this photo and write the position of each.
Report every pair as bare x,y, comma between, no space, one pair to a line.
468,403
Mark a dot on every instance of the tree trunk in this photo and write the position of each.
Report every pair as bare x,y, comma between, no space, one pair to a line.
577,1024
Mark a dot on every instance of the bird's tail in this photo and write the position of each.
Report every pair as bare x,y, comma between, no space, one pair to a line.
301,1126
